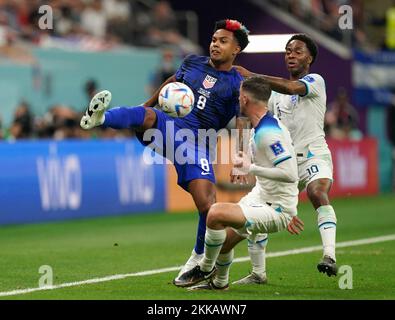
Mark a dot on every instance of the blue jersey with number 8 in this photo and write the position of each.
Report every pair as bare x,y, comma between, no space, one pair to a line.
216,94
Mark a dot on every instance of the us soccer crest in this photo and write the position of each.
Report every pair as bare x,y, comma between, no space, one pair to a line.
209,82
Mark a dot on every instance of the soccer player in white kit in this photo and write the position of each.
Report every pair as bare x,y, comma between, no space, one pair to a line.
270,207
300,103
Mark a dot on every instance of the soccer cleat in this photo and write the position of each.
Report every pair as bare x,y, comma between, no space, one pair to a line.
193,277
94,115
328,266
208,286
252,278
192,262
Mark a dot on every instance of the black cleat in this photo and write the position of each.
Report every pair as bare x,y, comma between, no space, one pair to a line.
328,266
193,276
208,286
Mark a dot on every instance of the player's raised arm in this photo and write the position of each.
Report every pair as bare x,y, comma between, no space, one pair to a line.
154,99
286,86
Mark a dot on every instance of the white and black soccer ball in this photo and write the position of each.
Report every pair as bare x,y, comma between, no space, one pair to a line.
176,99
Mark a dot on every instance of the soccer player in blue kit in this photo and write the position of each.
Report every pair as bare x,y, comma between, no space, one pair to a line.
215,84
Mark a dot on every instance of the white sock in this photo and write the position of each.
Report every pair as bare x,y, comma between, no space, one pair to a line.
257,251
327,225
213,242
223,264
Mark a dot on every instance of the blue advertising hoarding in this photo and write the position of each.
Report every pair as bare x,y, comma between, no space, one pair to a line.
50,180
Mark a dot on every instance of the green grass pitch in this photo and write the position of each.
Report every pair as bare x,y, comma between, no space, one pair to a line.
94,248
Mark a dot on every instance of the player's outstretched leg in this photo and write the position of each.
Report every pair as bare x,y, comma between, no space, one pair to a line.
94,115
127,117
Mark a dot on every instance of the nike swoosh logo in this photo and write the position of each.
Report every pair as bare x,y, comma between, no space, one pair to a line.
205,173
328,228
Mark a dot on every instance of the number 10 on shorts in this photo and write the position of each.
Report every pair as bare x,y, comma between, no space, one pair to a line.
312,170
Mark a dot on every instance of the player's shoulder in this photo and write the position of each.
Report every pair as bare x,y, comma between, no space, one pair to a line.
229,83
270,132
267,126
234,73
195,58
237,79
313,77
233,80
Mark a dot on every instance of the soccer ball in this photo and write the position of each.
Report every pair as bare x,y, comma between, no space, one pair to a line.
176,99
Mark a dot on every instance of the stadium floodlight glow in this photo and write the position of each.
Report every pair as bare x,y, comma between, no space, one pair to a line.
265,43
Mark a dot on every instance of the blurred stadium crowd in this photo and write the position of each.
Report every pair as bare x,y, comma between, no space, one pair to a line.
369,19
59,122
90,24
101,25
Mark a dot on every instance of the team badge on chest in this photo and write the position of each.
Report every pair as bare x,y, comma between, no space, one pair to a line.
209,82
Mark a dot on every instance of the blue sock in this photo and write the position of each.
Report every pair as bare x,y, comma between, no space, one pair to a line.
201,231
124,117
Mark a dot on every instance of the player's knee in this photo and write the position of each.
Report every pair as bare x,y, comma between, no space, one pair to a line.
215,215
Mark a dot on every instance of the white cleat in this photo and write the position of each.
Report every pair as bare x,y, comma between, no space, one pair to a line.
192,262
94,115
252,278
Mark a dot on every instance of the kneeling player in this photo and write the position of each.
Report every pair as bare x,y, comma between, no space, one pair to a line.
269,207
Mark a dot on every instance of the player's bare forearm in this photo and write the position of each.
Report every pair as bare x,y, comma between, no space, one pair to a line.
285,86
154,99
280,85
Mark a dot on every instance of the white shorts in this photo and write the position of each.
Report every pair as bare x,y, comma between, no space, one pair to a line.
261,217
314,168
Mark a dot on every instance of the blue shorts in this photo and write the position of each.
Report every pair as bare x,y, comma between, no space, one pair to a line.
200,167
